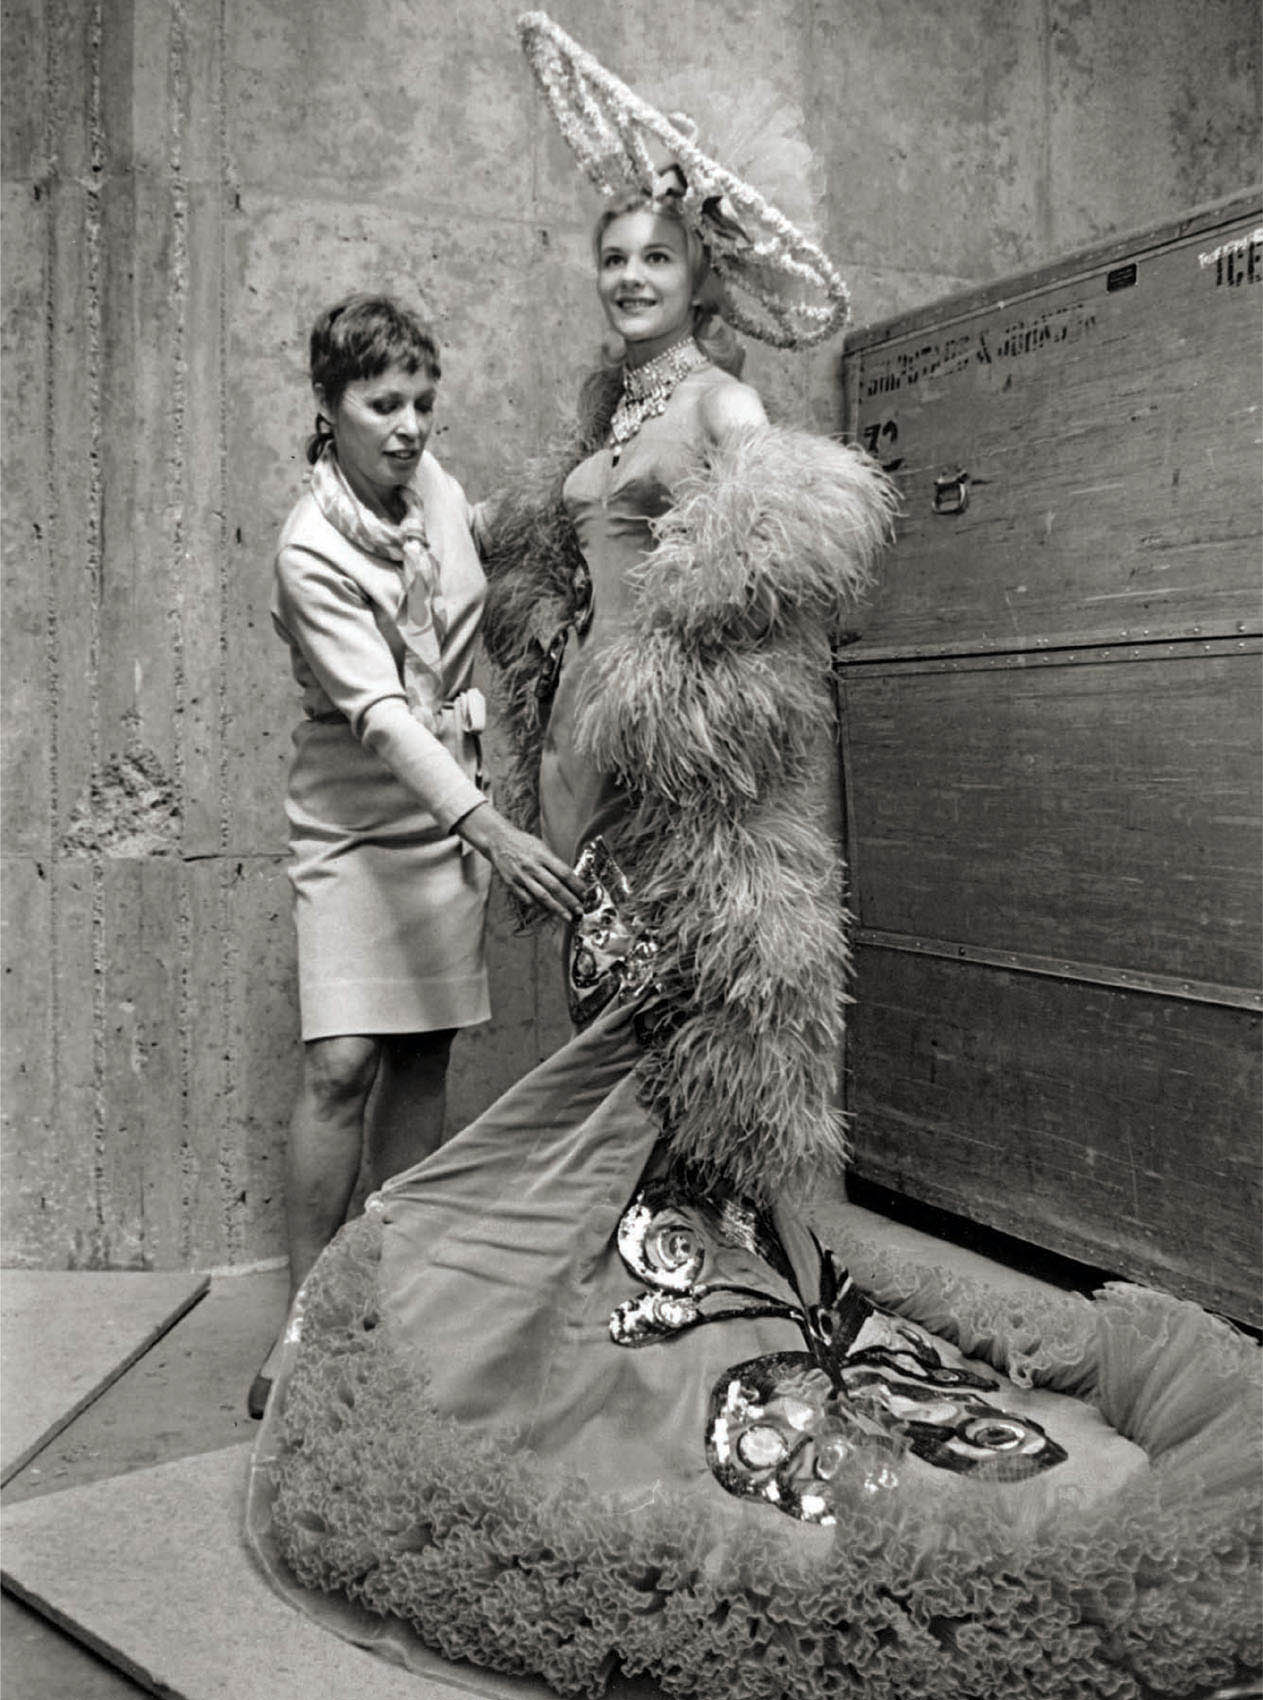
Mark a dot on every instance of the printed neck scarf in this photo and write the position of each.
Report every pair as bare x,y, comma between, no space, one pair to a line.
422,618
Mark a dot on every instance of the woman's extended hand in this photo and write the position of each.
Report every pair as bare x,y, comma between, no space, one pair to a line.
525,864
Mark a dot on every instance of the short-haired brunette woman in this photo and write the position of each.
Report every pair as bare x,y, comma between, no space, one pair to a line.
379,594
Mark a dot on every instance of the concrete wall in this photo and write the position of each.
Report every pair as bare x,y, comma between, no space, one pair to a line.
185,184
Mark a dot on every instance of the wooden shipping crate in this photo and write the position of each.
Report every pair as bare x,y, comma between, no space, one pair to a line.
1051,758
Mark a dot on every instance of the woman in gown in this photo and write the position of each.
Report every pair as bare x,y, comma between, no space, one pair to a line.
584,1395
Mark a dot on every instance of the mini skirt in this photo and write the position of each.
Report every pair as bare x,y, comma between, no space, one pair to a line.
390,908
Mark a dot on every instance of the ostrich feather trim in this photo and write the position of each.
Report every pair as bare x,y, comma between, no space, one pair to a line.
713,707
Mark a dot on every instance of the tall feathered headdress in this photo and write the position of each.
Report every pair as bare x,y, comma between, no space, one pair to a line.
777,285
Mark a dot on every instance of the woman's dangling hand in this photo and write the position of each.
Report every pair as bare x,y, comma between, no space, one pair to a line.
526,865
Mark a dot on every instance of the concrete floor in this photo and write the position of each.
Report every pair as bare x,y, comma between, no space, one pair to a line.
187,1395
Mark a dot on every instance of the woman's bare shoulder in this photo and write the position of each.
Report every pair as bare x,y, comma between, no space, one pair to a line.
727,406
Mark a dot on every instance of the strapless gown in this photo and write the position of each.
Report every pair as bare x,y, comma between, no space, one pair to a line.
550,1408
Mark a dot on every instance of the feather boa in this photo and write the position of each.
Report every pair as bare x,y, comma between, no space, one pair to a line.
530,553
711,707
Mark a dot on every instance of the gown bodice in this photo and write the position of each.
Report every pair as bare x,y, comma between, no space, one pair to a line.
613,501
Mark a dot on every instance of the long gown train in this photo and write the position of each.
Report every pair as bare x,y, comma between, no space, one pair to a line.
584,1395
459,1446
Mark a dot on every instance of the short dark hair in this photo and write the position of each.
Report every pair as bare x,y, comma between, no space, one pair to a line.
359,338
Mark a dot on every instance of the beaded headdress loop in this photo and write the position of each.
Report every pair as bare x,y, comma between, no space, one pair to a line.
777,284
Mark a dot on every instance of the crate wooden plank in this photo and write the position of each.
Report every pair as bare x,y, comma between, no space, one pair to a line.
1109,421
1110,251
1051,756
1100,805
1109,1125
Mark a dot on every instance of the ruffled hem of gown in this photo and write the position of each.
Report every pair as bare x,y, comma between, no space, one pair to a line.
420,1536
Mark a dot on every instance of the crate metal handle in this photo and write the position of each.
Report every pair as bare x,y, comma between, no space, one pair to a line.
951,493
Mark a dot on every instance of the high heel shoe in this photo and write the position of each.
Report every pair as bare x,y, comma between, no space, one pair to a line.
257,1397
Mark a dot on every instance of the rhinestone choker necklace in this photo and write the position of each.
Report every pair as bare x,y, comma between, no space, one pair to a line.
647,389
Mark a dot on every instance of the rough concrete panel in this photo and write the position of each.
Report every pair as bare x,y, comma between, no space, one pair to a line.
140,1073
239,1058
927,113
165,645
110,50
204,558
729,40
50,1101
1154,107
130,809
875,294
140,648
48,84
261,1051
178,94
261,709
142,639
207,1068
412,105
74,1161
24,632
73,431
23,114
28,1046
163,648
560,333
494,408
781,380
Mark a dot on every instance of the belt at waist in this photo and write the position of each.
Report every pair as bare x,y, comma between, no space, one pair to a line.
464,713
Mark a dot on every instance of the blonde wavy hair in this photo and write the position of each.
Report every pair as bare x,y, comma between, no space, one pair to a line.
712,334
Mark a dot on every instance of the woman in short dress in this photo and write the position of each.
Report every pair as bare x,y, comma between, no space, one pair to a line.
379,595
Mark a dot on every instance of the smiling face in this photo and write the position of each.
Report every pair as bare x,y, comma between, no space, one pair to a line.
645,281
380,427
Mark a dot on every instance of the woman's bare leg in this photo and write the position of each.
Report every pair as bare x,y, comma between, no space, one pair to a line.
405,1122
326,1144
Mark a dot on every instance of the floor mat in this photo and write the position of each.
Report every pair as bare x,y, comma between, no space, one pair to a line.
65,1336
149,1570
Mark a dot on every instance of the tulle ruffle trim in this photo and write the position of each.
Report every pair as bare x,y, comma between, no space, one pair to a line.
478,1552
